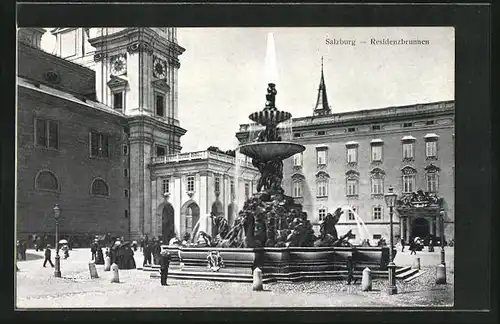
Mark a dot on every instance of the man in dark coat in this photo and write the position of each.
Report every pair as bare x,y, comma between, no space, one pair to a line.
156,252
402,245
93,249
350,271
99,257
147,254
164,264
23,250
47,256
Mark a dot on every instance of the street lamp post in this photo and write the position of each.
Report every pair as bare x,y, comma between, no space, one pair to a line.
390,200
441,269
57,213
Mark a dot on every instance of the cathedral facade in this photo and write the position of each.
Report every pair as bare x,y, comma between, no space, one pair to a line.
99,135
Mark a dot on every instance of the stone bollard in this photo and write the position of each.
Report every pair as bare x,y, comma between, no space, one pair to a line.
116,277
257,280
107,263
441,274
416,263
366,280
93,270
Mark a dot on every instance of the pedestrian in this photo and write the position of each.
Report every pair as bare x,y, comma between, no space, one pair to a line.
93,248
402,246
350,271
164,264
38,244
413,248
48,253
147,254
24,247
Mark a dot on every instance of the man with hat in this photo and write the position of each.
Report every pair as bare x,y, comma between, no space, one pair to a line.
164,264
48,253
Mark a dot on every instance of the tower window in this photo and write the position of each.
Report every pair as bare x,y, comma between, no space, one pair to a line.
125,149
118,100
165,186
160,105
125,173
160,150
190,184
125,193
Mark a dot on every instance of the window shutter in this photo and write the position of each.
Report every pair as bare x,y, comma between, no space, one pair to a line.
105,146
53,134
41,132
94,145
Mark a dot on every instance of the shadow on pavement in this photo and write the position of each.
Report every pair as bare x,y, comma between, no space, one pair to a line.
31,256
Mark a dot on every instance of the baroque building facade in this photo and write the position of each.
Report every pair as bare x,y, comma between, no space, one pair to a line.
352,158
99,135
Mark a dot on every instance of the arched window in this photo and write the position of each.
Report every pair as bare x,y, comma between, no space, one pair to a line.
408,177
100,187
46,180
432,178
352,183
377,181
322,181
297,185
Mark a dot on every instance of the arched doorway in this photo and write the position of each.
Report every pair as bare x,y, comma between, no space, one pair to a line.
217,208
231,214
191,215
167,223
420,228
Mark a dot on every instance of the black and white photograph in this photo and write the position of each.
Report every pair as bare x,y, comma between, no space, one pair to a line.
235,167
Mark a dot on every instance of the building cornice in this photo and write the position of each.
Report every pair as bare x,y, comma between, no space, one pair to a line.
152,121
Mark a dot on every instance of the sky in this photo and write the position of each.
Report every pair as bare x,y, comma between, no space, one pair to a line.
224,75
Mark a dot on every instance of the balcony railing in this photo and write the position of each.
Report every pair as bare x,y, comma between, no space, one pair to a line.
200,155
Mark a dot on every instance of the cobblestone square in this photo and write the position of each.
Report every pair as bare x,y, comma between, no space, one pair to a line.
36,287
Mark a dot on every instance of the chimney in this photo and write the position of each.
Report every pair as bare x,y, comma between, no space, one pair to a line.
31,36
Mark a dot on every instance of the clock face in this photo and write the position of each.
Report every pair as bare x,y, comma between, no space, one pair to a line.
159,69
118,65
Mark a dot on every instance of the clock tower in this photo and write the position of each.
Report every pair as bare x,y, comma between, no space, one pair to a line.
137,75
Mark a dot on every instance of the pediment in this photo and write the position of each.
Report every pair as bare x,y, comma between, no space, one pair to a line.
377,171
352,173
298,177
432,168
408,170
161,84
117,82
322,175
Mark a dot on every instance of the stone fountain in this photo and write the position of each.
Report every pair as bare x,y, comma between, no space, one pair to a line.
271,231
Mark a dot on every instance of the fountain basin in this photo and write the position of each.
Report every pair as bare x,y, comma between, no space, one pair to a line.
268,151
270,116
276,261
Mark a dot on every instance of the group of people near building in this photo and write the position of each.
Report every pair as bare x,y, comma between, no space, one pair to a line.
118,250
151,250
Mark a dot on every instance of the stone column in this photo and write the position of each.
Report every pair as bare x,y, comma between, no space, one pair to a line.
176,201
408,227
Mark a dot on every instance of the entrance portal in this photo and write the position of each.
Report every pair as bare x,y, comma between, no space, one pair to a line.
167,223
420,228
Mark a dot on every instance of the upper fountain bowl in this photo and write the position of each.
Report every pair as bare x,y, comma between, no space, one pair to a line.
270,116
268,151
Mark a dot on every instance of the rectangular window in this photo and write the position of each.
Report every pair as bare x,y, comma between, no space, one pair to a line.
125,173
321,214
319,133
297,159
377,236
350,214
118,100
160,150
322,189
352,187
429,122
321,157
432,182
99,145
296,134
125,193
68,43
431,149
160,105
351,129
47,133
376,153
407,124
377,212
297,189
217,184
408,183
125,149
407,150
190,184
126,213
375,127
352,155
377,186
165,186
247,190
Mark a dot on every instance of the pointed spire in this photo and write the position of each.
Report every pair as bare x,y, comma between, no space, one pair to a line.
322,106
